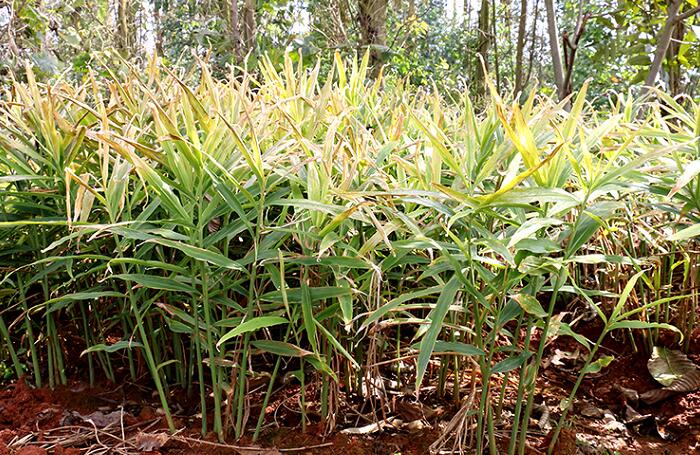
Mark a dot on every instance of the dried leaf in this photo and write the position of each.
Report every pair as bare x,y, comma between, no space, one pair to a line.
98,418
673,369
391,422
151,441
688,383
667,366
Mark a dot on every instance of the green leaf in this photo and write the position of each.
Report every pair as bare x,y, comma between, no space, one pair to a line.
624,295
58,303
156,282
307,312
334,342
294,295
639,60
589,223
109,348
346,301
644,325
250,326
199,254
685,234
511,363
691,170
436,316
598,365
530,227
455,347
395,303
530,305
538,246
281,348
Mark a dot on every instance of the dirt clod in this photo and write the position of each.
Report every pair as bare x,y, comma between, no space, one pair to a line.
31,450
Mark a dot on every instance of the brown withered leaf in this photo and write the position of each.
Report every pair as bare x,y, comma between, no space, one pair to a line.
151,441
675,371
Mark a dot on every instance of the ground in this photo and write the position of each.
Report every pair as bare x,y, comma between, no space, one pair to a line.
77,419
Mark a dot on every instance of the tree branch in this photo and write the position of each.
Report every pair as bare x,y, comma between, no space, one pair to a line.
687,14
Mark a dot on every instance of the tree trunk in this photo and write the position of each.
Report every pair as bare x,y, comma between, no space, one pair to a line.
344,11
122,27
126,33
494,39
234,29
249,27
522,26
337,35
663,40
553,33
533,41
482,49
372,20
11,27
158,28
674,66
571,47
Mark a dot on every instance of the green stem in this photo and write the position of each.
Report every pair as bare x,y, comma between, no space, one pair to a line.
30,331
538,359
572,394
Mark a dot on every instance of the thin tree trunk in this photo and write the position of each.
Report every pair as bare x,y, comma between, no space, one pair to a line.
337,36
494,38
345,13
11,38
484,42
234,29
158,28
663,40
123,26
522,30
674,66
571,46
249,27
372,20
553,33
466,23
533,41
126,30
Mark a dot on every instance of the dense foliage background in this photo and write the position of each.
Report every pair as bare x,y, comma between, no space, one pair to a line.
426,41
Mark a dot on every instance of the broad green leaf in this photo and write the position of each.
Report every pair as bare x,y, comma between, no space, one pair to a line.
156,282
435,318
595,367
251,325
530,227
199,254
455,347
691,170
511,363
644,325
294,295
58,303
685,234
281,348
109,348
530,305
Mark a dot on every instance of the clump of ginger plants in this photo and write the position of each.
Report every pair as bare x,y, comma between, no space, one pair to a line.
329,226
